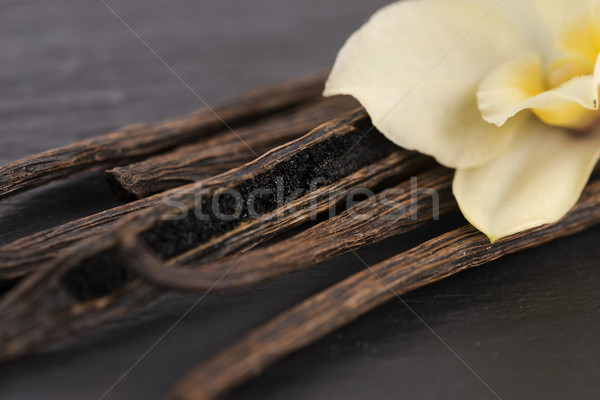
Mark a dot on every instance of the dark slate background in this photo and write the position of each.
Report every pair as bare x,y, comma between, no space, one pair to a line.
527,325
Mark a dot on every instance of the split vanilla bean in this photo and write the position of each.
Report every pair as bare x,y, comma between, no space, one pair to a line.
198,161
394,212
342,303
135,142
37,251
89,285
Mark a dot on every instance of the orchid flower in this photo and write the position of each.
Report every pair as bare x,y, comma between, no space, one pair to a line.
503,91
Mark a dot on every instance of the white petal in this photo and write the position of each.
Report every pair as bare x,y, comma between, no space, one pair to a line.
518,85
415,66
534,182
